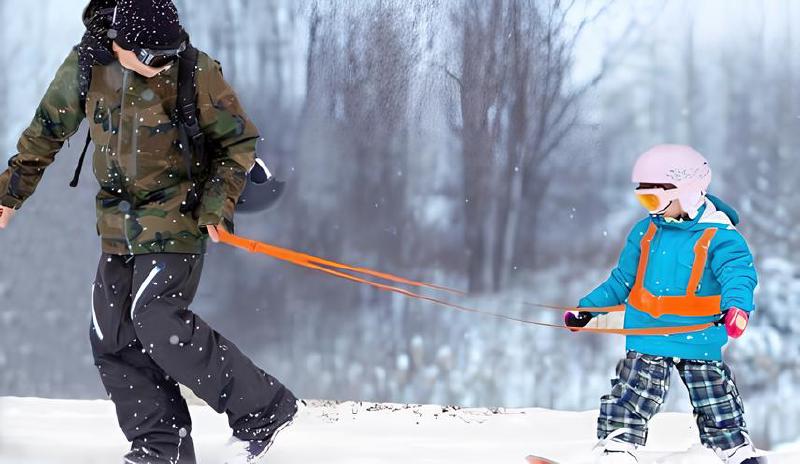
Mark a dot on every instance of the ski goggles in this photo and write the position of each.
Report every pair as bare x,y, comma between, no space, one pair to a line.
656,200
158,58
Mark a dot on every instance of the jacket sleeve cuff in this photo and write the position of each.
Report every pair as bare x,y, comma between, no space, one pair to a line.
10,202
209,219
216,216
6,199
587,305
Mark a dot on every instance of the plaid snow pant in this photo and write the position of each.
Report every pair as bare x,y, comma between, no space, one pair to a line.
641,386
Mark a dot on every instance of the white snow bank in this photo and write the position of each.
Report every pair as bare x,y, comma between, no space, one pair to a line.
36,431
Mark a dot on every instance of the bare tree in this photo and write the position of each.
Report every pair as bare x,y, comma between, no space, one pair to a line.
517,106
480,29
546,112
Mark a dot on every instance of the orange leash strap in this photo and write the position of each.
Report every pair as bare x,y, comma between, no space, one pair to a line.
292,256
286,254
330,267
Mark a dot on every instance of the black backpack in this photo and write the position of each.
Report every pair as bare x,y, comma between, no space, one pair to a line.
262,190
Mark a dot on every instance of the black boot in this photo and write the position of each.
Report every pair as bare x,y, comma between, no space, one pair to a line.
143,456
241,451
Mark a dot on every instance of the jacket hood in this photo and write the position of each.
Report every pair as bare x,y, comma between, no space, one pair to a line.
725,208
714,213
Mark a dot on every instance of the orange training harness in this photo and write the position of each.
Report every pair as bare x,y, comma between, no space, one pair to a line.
684,305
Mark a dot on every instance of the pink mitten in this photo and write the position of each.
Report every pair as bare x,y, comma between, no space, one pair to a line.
736,322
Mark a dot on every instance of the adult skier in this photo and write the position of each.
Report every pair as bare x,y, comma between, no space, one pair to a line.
155,211
684,264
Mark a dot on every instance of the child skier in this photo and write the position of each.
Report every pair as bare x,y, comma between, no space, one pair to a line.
144,338
683,265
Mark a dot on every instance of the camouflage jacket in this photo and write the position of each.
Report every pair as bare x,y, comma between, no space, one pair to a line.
137,158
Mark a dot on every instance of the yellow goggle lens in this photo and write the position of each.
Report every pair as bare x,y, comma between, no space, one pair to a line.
649,201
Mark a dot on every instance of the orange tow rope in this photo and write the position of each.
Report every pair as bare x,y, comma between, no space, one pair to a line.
336,269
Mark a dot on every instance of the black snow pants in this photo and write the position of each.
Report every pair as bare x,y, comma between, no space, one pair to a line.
146,341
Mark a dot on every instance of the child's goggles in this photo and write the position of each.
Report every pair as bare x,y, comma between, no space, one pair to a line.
656,200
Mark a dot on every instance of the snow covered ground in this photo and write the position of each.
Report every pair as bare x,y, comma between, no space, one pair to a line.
36,431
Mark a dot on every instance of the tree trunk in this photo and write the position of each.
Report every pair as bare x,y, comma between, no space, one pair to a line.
518,123
479,96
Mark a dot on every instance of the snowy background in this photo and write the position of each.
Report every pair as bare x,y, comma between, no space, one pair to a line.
481,144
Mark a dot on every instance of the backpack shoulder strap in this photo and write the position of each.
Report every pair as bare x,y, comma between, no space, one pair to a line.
85,63
94,48
192,140
77,176
187,93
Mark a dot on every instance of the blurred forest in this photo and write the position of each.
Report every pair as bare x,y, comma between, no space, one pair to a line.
480,144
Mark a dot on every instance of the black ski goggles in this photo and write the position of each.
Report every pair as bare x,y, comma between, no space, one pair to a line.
158,58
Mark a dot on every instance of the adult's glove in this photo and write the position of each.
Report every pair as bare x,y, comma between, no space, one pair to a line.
735,321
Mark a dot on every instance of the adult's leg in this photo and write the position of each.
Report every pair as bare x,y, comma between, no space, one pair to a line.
197,356
637,394
151,411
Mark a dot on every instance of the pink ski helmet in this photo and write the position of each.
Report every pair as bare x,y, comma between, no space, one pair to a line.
679,165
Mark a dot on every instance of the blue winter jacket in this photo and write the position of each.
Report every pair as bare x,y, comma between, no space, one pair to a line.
729,272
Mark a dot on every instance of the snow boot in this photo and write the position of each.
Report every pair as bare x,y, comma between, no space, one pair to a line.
612,450
143,456
155,450
253,451
744,454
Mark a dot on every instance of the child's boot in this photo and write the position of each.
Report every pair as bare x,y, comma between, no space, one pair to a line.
744,454
613,450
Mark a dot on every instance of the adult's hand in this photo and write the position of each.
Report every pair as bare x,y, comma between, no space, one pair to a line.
5,216
213,233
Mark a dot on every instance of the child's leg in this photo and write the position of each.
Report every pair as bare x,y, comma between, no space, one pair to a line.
637,394
717,405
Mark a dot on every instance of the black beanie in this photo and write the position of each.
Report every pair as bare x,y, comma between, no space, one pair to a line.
147,24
